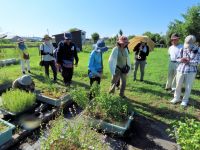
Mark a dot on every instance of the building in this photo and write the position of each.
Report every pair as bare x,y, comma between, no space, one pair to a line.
78,37
13,38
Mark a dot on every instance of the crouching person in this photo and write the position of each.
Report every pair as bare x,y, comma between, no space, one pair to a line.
188,59
24,83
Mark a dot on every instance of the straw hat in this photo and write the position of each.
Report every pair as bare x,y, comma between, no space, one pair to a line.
46,37
25,80
189,41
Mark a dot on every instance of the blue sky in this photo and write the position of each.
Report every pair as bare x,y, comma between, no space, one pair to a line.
34,17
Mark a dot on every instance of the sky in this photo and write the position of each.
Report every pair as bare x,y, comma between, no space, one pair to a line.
106,17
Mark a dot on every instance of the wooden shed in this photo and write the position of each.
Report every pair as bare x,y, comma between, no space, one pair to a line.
76,38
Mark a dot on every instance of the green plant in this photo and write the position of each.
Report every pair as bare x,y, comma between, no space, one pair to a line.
102,105
187,134
17,100
75,135
53,90
3,127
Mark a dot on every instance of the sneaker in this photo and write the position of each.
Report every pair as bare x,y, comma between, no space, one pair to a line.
168,89
29,71
184,103
174,101
24,72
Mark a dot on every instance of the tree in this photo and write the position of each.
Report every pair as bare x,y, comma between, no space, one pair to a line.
189,25
95,37
120,32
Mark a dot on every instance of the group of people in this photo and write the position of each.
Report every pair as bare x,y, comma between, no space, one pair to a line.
183,63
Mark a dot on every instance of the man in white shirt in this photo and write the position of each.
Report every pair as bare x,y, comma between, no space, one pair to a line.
173,53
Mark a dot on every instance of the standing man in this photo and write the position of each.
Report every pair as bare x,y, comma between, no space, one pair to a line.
65,57
173,53
141,52
188,59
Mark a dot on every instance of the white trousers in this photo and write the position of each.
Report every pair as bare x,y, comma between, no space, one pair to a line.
23,62
171,79
188,78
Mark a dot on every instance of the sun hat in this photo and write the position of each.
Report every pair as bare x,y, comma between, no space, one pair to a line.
25,80
175,36
122,40
20,40
67,36
100,45
189,41
46,36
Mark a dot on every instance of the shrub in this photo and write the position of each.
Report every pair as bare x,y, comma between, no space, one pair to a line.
187,134
102,105
17,100
75,134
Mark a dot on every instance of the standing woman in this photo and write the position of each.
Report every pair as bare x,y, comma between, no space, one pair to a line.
47,49
119,63
95,67
23,55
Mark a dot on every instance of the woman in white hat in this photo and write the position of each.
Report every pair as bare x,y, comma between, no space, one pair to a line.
23,55
188,59
119,63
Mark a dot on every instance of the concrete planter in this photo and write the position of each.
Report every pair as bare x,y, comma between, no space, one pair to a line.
6,135
8,62
112,128
52,101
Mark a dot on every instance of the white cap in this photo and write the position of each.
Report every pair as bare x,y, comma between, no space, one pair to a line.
25,80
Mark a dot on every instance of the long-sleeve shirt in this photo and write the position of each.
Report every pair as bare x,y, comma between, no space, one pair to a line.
67,53
95,63
194,61
22,49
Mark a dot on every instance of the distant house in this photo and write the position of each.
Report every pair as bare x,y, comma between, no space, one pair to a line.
13,38
78,37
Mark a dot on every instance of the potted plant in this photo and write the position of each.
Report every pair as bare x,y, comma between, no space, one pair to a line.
104,111
53,94
73,135
17,101
5,131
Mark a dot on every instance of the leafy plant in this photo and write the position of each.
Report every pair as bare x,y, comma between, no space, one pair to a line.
3,127
75,135
53,90
187,134
102,105
17,100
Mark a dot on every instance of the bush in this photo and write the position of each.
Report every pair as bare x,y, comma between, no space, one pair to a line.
17,100
3,127
102,105
187,134
75,135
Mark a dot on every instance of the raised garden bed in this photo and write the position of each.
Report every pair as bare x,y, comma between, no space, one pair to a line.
107,127
103,111
53,95
8,62
5,131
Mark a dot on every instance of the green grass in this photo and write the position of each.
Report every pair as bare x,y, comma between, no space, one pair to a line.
3,127
147,98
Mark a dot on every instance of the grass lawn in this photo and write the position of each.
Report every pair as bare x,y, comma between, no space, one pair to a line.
147,98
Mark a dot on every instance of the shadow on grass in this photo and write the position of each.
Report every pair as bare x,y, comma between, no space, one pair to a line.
76,83
154,83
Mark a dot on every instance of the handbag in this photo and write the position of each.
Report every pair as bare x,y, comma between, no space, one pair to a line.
26,56
41,63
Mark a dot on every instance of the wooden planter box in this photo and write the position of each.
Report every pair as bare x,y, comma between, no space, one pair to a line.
52,101
6,135
112,128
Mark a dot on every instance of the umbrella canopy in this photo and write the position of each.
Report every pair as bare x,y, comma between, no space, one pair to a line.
137,39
